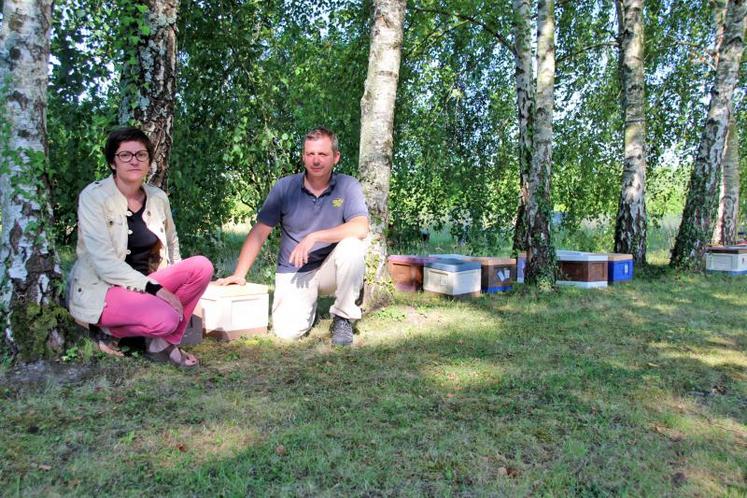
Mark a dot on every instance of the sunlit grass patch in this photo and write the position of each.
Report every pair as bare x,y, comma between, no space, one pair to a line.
637,390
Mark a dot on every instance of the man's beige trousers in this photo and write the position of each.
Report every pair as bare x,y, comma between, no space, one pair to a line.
341,275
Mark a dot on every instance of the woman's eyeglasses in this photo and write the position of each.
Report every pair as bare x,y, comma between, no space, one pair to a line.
141,155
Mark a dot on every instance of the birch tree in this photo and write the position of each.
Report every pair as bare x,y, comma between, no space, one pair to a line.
377,126
524,77
725,230
630,227
696,228
540,252
30,278
149,81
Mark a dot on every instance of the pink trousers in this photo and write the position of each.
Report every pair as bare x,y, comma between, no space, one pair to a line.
135,314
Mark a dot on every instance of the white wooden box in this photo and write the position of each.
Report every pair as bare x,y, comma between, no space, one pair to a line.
453,277
234,311
731,260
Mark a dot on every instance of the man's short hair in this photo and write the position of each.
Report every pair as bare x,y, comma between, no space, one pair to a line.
320,132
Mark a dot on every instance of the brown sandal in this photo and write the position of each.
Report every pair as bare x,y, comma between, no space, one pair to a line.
164,356
104,341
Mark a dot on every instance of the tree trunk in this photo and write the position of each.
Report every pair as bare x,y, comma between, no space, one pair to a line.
630,228
377,128
725,232
696,228
540,252
31,277
525,111
150,84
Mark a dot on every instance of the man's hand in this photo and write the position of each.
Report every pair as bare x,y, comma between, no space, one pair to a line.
170,298
233,279
300,254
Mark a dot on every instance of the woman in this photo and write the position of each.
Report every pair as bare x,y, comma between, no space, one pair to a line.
128,278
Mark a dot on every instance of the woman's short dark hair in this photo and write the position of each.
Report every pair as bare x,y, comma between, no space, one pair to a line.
128,134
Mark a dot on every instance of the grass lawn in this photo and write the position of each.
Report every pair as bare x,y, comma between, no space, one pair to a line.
637,390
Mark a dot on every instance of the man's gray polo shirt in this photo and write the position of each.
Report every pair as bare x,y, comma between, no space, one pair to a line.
299,212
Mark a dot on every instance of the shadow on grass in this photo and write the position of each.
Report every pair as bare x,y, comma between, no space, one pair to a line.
631,390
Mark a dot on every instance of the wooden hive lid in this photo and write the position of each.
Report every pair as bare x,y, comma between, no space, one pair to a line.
450,256
618,256
453,265
728,249
492,260
409,260
564,255
214,291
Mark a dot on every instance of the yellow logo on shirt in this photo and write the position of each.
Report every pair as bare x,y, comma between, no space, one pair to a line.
338,202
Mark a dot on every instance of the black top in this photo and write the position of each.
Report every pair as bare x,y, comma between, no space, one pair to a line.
141,242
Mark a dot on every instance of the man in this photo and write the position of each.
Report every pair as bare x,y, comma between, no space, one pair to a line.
323,220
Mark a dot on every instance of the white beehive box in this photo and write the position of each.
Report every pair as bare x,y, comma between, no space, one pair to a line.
731,260
453,277
234,311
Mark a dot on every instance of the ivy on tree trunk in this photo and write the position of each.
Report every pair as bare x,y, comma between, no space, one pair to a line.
149,82
377,126
31,277
630,227
540,252
523,75
696,228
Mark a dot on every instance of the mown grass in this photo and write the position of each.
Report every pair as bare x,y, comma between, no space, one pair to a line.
637,390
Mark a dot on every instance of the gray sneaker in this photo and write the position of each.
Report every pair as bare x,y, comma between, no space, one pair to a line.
342,331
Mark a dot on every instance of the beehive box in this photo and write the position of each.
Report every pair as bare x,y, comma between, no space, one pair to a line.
452,277
407,271
521,265
233,311
582,269
497,274
619,267
731,260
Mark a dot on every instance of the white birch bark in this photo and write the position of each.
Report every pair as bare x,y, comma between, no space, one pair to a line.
696,228
540,252
725,232
154,81
631,224
30,268
725,229
524,78
376,142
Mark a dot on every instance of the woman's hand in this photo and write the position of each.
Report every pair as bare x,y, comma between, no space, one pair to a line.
170,298
232,279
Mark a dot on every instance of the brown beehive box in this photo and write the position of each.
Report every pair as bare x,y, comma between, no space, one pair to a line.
407,271
582,269
498,274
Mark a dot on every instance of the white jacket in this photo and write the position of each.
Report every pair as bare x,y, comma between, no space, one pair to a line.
102,245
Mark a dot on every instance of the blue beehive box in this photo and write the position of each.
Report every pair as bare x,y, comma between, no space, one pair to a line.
619,268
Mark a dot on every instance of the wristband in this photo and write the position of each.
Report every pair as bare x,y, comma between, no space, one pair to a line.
152,288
